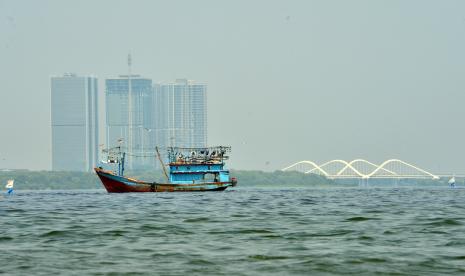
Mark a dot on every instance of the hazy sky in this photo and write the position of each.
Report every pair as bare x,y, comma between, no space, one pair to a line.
287,80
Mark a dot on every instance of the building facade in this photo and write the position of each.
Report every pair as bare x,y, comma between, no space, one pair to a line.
180,115
74,119
138,136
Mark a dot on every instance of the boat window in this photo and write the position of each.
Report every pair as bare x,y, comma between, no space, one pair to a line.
211,177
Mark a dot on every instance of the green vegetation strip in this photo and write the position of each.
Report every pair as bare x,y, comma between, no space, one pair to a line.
47,180
43,180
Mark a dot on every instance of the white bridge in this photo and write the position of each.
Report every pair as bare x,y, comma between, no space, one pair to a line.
362,169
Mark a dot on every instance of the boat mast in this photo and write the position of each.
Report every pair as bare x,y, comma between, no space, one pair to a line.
130,126
162,164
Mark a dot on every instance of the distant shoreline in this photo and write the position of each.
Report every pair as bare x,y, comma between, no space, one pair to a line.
54,180
45,180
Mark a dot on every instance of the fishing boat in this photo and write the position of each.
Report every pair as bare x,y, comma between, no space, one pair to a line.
190,170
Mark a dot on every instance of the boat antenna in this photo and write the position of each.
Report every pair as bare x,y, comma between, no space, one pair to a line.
162,164
130,126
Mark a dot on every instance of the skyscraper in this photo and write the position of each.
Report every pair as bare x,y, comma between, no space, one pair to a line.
181,114
137,135
74,118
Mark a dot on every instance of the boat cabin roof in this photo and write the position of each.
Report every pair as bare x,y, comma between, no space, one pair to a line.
195,156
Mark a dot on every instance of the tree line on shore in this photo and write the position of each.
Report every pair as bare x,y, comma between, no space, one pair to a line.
42,180
55,180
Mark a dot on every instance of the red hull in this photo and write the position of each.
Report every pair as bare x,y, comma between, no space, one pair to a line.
118,184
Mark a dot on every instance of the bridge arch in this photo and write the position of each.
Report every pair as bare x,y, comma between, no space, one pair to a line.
349,169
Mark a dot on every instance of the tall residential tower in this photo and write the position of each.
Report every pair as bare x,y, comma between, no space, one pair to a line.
181,114
136,134
74,118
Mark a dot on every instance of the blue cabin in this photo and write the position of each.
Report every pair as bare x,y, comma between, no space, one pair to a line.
198,165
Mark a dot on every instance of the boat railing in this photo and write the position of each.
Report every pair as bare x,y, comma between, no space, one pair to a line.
212,155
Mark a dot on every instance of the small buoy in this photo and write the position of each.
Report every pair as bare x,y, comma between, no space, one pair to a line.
452,182
9,186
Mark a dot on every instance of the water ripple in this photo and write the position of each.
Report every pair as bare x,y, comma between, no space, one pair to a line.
238,232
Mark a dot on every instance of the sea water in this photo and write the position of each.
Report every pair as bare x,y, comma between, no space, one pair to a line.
242,231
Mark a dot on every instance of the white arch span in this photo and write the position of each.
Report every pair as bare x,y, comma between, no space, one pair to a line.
379,170
348,165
